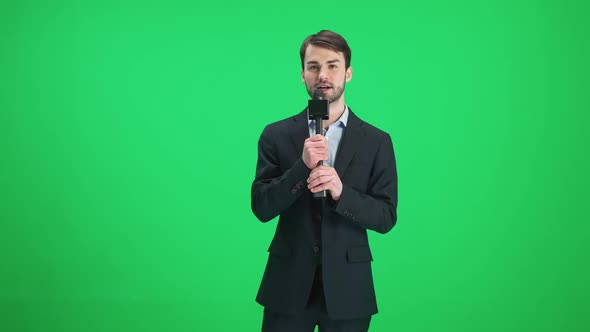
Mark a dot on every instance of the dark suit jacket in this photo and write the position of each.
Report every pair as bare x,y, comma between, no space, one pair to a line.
365,163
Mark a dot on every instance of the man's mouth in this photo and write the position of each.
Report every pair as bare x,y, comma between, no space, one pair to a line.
323,87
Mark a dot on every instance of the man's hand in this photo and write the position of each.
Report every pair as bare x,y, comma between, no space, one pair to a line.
325,178
315,149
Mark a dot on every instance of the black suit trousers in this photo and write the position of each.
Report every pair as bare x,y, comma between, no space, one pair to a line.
314,314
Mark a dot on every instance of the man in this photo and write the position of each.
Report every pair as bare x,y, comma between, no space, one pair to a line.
319,266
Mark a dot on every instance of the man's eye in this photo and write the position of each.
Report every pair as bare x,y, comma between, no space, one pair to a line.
333,66
312,67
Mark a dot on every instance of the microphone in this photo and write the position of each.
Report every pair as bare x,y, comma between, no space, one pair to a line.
318,111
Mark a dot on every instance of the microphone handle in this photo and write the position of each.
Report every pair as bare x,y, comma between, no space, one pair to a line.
319,126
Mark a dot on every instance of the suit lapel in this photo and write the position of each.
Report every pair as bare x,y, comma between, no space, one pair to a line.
300,132
349,144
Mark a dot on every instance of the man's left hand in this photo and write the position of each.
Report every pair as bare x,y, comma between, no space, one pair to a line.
325,178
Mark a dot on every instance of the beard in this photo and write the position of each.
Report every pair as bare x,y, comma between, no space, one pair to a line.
336,92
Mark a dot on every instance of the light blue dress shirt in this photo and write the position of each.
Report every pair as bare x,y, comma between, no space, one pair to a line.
333,135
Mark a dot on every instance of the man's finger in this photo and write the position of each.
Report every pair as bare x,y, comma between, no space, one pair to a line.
316,143
322,180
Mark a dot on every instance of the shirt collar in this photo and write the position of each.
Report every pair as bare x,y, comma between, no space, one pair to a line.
342,121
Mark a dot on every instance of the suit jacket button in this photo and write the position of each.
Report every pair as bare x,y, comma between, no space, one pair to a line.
316,249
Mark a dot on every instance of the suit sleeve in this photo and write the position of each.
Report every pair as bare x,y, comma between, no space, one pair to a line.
376,209
273,190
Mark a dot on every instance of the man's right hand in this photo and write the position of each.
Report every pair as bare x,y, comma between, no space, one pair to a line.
315,149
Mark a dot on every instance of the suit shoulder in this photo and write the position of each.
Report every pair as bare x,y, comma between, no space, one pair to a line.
286,122
283,125
373,131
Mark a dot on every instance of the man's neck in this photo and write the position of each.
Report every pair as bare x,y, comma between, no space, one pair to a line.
336,111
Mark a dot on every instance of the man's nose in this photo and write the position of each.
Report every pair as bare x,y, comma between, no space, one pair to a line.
323,75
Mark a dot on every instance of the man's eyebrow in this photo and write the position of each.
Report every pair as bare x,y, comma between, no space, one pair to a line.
329,61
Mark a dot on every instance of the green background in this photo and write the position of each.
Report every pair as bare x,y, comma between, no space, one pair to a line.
128,140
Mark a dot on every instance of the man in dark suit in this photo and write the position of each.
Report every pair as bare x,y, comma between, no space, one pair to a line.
319,266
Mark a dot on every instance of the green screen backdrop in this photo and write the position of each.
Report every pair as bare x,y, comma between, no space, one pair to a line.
128,141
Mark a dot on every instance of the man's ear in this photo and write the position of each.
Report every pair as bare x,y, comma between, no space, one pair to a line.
303,76
348,74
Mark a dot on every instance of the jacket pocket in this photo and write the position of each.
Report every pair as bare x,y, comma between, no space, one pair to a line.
359,254
280,249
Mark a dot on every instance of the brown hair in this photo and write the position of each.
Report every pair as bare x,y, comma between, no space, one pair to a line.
330,40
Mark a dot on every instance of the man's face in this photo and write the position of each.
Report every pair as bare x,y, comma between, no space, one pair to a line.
324,69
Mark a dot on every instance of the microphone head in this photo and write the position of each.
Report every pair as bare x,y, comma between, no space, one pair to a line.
318,94
318,106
